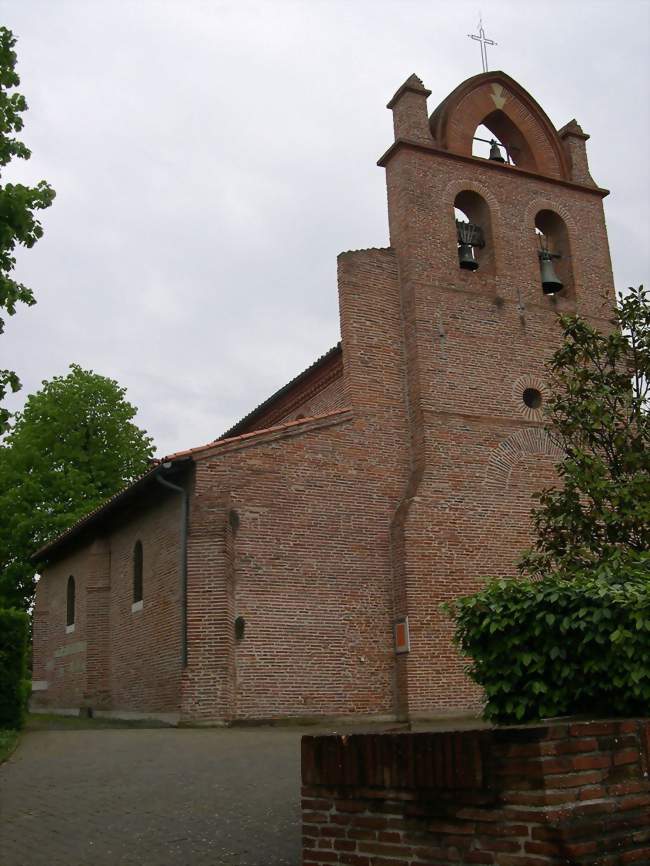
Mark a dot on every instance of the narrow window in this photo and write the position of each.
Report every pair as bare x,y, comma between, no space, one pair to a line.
137,573
553,253
70,604
473,232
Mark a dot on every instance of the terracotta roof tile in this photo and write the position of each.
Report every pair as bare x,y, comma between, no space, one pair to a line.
365,250
243,437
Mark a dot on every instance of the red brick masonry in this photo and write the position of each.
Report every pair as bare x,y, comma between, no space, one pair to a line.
569,793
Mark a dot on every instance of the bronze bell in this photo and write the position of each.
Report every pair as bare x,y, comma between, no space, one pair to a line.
495,152
466,257
551,284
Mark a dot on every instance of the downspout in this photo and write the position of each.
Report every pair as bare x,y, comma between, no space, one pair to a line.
183,557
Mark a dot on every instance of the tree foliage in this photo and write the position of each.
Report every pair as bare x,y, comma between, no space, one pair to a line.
573,634
18,203
73,446
14,691
598,414
555,647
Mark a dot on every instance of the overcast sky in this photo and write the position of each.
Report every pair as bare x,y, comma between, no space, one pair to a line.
212,158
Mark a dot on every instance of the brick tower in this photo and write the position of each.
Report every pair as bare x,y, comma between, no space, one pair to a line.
474,343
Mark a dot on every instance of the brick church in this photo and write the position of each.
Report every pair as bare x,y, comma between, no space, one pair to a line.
296,566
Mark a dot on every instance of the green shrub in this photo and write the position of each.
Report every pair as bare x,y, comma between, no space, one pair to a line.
13,667
8,740
560,647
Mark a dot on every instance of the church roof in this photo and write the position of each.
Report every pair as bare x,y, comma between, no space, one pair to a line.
244,423
104,509
308,422
240,430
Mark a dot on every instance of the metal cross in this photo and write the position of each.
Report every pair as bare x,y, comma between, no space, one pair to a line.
484,42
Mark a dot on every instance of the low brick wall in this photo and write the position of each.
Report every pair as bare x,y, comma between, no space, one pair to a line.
569,793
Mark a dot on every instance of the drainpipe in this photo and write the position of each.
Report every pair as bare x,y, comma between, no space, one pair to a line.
183,557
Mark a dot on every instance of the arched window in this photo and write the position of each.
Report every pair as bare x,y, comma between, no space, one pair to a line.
554,253
473,232
70,603
137,572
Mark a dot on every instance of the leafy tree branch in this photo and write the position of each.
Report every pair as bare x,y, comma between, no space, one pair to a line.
598,415
19,204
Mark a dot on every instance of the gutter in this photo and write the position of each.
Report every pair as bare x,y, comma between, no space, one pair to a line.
183,555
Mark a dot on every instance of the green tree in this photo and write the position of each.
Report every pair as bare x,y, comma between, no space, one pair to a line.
73,446
18,203
598,415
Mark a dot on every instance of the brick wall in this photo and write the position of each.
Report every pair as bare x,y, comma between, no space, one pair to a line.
59,652
145,653
569,793
116,658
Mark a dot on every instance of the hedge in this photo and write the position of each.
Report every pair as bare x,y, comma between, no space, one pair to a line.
14,626
559,647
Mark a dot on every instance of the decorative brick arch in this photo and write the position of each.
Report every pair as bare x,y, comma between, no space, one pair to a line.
503,459
538,204
456,186
495,99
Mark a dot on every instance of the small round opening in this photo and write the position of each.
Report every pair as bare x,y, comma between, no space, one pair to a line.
532,398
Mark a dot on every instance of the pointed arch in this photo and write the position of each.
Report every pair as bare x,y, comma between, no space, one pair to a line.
497,101
507,132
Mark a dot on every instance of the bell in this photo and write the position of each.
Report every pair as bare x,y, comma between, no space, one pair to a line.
550,281
495,152
466,257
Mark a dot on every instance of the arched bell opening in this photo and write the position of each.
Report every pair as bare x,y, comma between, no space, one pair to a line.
497,138
473,232
487,146
553,253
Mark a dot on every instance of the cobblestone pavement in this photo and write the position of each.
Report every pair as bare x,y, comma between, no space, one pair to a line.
165,797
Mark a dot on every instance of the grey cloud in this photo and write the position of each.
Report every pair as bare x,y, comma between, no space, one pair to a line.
212,158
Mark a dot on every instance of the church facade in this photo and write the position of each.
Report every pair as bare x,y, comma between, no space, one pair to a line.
296,566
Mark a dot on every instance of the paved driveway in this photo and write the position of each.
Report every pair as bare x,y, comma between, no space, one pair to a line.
161,797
